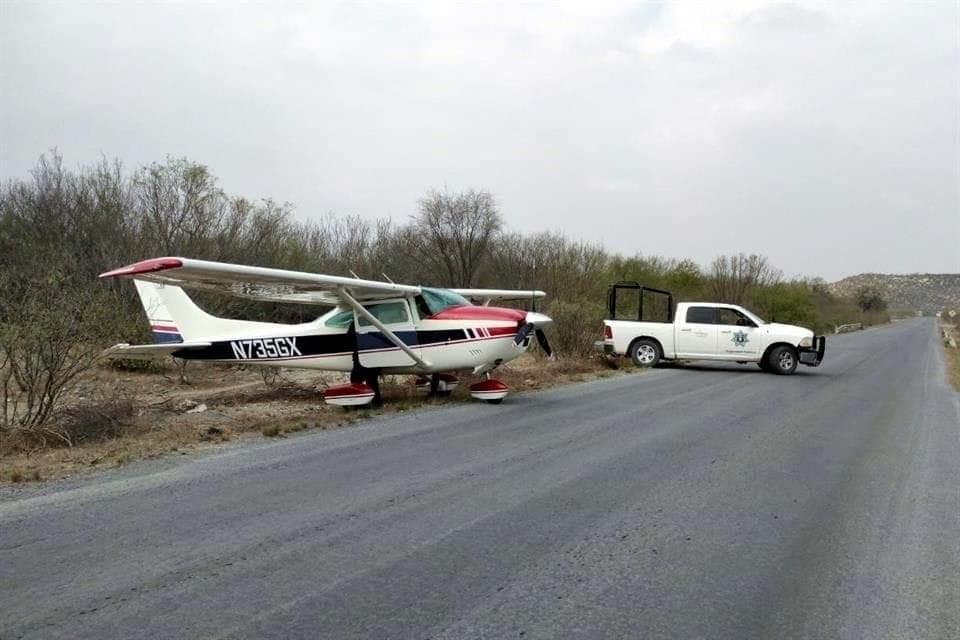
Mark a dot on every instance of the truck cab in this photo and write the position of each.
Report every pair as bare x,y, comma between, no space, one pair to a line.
655,329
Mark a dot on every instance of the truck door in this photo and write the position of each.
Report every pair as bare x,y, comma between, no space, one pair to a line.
736,335
375,349
697,332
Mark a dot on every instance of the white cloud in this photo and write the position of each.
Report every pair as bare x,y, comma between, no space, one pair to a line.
687,129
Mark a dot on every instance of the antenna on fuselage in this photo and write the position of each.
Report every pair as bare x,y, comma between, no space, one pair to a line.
354,274
387,277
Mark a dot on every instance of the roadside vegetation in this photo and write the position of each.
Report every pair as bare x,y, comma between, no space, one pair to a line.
60,227
950,332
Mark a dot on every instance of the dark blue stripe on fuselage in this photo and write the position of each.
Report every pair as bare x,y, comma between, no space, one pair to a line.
166,338
328,344
377,340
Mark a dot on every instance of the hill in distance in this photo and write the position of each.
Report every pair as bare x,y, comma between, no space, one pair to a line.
926,292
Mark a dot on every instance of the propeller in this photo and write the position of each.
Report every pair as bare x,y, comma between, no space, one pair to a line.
524,332
544,343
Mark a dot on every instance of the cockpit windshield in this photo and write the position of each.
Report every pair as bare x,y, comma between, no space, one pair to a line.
439,299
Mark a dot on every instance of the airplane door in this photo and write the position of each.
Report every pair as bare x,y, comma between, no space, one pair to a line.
376,351
736,334
697,333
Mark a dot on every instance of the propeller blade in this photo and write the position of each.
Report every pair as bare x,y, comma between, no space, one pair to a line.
523,333
544,343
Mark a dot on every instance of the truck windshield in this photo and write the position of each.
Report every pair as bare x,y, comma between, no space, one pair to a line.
439,299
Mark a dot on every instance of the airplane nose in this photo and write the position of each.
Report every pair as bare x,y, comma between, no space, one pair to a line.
539,319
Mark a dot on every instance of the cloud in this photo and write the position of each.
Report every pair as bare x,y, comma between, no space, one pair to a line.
824,135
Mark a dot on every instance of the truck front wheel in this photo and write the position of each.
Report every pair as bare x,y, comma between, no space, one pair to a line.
782,360
645,353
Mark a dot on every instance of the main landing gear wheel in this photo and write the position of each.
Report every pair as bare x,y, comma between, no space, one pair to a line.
645,353
491,391
363,389
782,360
352,394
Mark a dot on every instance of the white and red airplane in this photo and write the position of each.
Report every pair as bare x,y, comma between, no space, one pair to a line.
374,328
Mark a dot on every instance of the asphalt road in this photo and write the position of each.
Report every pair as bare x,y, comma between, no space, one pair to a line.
713,502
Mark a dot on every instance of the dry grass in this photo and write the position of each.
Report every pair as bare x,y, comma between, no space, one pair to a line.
237,405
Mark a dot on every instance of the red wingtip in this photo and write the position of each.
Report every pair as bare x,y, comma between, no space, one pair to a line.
144,266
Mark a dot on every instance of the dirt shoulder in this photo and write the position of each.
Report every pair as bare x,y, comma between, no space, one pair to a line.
167,416
948,333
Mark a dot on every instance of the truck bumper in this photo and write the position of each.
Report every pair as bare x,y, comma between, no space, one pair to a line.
601,346
813,356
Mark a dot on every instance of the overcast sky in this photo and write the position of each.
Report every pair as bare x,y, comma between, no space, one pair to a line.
824,135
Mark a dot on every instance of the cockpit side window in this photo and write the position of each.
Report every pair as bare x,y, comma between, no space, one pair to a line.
340,320
422,309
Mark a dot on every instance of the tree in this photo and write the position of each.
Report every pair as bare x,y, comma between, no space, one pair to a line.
454,233
181,207
870,298
733,279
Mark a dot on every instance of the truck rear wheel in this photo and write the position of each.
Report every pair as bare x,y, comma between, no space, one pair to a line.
782,360
645,353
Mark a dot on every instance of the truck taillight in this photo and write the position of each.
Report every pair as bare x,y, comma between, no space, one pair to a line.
607,332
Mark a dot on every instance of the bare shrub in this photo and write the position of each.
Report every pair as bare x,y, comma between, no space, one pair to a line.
734,279
46,343
101,418
271,377
138,366
576,327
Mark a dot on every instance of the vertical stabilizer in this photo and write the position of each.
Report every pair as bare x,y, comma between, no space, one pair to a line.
173,316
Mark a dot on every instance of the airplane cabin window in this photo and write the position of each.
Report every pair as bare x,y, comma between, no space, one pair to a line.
340,320
387,313
422,308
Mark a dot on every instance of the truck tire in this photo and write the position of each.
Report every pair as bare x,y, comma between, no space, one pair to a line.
782,360
645,353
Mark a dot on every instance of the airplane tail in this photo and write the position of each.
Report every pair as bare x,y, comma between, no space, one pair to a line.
174,317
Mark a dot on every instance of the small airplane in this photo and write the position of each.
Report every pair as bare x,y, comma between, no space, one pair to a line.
374,328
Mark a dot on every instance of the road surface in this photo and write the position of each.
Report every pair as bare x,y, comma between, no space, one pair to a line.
710,502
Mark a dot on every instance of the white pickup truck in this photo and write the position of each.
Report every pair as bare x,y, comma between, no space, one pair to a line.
702,331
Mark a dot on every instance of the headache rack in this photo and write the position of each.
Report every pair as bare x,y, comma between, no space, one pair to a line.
658,304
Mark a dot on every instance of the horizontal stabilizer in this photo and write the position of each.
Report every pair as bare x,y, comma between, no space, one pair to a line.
150,351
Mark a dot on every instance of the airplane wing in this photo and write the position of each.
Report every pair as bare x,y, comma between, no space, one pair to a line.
150,351
499,294
259,283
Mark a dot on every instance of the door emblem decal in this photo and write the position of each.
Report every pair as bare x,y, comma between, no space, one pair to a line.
740,339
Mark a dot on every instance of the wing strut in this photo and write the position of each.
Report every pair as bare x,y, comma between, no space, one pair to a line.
391,336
